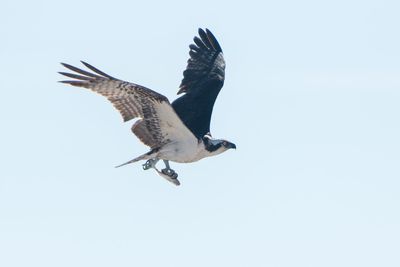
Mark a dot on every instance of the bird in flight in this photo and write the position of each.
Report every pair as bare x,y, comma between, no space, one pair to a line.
177,132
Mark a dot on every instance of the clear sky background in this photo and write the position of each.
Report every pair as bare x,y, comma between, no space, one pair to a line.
311,99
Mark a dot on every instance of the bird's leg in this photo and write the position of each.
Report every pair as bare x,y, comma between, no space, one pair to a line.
166,162
151,163
168,171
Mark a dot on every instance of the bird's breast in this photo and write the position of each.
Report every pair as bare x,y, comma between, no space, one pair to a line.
183,152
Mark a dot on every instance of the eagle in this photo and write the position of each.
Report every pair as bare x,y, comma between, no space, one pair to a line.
177,131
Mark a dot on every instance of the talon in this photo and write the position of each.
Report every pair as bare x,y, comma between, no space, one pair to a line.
149,164
146,166
169,172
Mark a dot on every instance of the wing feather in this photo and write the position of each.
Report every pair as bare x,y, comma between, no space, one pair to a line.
158,122
206,62
77,70
202,81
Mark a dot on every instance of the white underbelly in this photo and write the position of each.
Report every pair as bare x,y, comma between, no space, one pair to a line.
186,152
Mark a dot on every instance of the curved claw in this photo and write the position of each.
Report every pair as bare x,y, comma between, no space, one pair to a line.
170,175
146,166
170,172
151,163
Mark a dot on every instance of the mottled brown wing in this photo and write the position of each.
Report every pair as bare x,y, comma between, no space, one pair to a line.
159,123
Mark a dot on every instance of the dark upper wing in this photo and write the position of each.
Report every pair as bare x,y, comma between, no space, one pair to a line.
202,81
159,123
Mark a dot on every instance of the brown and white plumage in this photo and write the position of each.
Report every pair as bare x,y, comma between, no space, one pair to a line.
158,123
176,132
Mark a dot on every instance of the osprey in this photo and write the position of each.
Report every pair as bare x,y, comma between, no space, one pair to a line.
178,132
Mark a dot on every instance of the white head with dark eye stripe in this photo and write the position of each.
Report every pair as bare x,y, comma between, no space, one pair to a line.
217,146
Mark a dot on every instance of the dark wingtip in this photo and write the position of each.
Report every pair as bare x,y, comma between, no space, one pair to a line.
66,65
213,40
86,64
96,70
208,38
63,73
75,83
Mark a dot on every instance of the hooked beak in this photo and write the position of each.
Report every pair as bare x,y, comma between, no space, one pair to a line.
232,145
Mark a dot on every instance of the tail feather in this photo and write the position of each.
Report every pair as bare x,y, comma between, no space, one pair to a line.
148,155
132,161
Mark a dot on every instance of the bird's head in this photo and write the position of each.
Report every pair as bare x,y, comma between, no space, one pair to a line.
217,146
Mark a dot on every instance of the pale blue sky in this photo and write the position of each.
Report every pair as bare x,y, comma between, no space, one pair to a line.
311,99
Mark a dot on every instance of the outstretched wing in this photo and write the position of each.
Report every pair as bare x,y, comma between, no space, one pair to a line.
202,80
158,123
